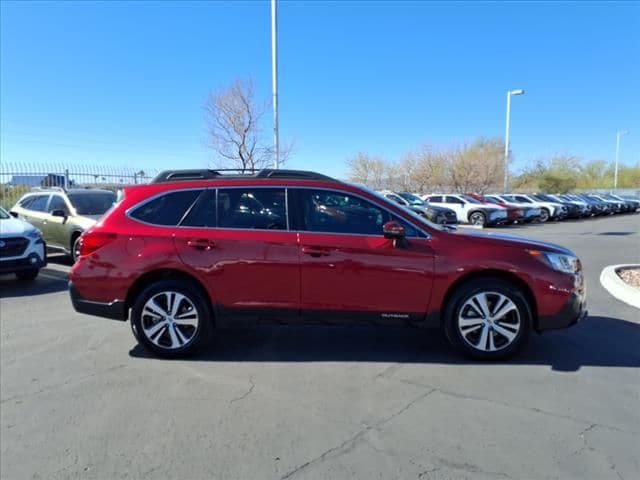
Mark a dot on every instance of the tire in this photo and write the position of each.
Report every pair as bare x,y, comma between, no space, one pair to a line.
152,319
477,218
467,330
75,248
28,275
441,220
544,215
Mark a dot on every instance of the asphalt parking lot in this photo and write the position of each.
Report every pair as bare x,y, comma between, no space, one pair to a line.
80,400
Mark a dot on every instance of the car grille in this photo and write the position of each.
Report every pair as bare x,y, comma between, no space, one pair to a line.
13,246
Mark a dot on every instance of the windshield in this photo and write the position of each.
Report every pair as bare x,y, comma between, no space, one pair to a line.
94,203
412,199
3,214
471,199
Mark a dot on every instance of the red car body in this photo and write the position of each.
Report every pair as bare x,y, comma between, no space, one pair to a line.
297,276
514,214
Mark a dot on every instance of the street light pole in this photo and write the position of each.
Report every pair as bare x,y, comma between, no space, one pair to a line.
619,134
274,78
506,138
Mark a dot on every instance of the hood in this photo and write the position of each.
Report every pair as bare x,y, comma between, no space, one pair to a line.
14,227
437,208
507,240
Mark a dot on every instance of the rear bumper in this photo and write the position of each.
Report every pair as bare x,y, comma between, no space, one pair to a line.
115,310
574,310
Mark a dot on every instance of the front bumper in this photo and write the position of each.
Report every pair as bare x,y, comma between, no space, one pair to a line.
33,261
115,310
574,310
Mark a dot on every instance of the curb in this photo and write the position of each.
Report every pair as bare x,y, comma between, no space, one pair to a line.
618,287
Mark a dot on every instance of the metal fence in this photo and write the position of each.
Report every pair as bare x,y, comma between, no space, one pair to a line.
18,178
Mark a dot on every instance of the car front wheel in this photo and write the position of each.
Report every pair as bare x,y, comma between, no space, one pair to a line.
488,319
544,215
171,319
477,218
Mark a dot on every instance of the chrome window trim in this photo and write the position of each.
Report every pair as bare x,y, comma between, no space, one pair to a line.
286,188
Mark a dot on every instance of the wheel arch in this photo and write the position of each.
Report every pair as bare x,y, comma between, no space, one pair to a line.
476,210
157,275
492,274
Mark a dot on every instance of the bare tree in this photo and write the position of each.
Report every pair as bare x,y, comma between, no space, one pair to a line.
475,167
234,123
368,170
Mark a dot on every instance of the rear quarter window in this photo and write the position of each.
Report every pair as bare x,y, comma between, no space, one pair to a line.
167,209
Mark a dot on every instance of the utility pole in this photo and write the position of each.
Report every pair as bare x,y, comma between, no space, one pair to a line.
619,134
506,138
274,78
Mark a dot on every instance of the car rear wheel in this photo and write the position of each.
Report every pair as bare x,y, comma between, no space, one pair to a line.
477,218
488,319
171,319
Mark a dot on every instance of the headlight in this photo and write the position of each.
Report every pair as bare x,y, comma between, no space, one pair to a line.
34,234
558,261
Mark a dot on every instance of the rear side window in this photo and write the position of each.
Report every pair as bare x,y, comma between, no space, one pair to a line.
39,203
166,210
255,208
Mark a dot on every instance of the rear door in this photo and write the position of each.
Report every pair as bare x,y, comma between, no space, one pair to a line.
349,270
239,240
35,211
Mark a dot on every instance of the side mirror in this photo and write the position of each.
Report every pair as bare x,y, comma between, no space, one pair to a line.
14,214
393,230
59,213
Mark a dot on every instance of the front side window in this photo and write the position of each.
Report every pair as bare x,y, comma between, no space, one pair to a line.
450,199
337,212
436,199
167,209
253,208
57,203
523,199
395,198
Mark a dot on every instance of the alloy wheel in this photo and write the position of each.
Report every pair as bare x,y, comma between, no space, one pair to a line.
489,321
169,320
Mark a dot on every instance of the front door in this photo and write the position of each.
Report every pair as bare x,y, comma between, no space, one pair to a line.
349,270
238,238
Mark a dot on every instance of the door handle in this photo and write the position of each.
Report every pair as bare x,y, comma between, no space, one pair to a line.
201,243
316,251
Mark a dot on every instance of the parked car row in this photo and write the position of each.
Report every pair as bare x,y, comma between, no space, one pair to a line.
506,209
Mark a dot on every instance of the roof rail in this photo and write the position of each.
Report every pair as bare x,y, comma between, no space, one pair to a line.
207,174
48,189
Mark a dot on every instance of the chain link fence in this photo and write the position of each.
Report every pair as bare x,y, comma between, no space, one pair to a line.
19,178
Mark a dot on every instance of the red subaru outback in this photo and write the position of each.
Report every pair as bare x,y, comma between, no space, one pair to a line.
197,248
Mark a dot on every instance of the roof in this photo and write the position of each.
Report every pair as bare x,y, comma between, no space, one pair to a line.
263,174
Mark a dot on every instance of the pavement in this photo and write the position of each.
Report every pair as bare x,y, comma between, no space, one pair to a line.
79,399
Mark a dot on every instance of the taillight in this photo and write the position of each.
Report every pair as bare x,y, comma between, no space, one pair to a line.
92,241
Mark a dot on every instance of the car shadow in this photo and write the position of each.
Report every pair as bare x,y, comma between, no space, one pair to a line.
596,341
48,281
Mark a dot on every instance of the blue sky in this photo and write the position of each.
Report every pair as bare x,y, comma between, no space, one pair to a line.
124,83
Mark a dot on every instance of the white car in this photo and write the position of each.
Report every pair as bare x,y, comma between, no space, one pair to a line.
22,249
548,210
470,210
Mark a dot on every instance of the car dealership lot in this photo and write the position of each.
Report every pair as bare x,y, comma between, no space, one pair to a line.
80,400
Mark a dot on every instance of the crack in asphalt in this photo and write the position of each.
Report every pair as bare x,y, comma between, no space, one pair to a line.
498,402
350,442
245,394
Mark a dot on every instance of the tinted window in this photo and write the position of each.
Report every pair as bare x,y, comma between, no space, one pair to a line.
523,199
57,203
436,199
94,203
203,213
25,202
261,208
396,199
167,209
449,199
39,203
